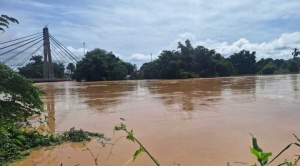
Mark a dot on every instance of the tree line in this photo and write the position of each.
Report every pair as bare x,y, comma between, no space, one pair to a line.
186,62
190,62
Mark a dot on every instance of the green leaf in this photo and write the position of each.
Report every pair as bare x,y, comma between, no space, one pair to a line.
265,156
255,145
138,152
18,142
120,127
256,153
130,136
254,164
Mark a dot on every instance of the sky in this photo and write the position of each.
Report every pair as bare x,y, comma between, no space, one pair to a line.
135,29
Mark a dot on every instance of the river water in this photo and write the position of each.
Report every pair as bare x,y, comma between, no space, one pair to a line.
181,122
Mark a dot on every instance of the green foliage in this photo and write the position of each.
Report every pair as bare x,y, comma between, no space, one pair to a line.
268,69
188,62
100,65
225,68
287,163
282,71
130,137
295,52
293,67
71,67
263,62
15,143
79,135
244,62
5,20
20,99
261,156
35,68
150,70
138,152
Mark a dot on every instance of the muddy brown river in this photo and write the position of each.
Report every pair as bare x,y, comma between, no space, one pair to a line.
181,122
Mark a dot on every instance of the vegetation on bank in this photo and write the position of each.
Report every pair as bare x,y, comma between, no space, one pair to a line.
194,62
19,101
186,62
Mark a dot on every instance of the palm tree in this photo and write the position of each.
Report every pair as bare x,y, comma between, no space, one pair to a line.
296,52
4,21
71,68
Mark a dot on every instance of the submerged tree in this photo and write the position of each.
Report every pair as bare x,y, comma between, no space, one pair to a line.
293,67
244,61
100,65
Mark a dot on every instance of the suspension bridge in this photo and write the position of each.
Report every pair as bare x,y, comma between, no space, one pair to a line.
23,49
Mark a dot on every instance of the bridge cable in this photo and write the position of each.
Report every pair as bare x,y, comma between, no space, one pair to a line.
60,51
63,51
54,51
27,58
64,47
56,59
67,50
61,60
10,58
21,42
20,46
20,38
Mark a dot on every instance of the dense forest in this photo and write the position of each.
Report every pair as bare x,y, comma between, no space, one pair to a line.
190,62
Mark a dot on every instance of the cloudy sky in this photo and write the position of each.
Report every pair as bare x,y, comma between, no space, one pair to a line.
133,29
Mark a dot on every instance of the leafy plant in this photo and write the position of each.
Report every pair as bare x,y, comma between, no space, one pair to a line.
20,98
15,143
4,21
261,156
131,137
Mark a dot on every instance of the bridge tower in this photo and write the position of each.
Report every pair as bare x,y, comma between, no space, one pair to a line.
48,66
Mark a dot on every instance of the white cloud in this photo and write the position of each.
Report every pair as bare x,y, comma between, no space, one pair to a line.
280,47
140,57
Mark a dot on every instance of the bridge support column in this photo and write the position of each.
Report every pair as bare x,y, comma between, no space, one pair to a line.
48,67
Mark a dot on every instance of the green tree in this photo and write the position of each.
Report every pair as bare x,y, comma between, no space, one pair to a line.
5,20
150,70
262,63
295,52
19,98
119,71
244,62
71,68
100,65
225,68
35,68
204,63
293,67
270,68
58,69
